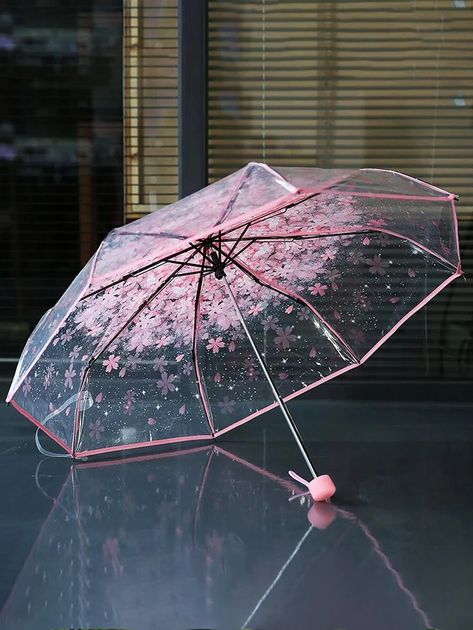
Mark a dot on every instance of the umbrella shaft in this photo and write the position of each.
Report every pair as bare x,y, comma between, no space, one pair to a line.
280,401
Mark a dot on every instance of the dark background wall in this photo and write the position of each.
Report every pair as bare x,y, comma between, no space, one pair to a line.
60,151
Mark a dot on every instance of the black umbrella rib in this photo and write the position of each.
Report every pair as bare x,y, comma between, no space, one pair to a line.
299,237
140,271
203,396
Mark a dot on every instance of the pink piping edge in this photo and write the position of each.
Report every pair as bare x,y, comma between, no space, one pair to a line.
126,447
36,422
143,458
286,398
414,179
457,237
370,195
412,312
348,367
353,518
58,326
361,230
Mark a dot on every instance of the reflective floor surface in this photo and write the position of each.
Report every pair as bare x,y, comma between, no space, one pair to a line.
215,537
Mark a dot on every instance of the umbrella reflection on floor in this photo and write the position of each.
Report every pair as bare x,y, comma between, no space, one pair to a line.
202,539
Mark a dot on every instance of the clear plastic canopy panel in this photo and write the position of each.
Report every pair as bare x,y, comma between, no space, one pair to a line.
146,347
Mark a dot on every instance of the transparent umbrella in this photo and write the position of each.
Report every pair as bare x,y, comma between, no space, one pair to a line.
204,315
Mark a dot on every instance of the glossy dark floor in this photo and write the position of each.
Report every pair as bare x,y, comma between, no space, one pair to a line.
209,538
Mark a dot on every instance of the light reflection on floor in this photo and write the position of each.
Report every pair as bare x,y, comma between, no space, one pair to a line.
213,538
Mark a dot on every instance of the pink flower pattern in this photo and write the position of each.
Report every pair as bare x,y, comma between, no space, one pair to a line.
166,383
215,344
68,376
147,370
111,363
284,337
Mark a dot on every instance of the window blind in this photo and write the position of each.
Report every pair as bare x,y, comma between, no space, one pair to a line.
356,84
151,105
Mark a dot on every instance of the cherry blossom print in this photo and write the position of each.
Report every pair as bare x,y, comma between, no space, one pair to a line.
160,364
48,376
111,363
256,309
284,337
68,376
303,315
164,340
187,368
270,323
215,344
129,403
166,383
227,405
96,429
319,289
377,265
151,422
26,385
74,354
66,336
148,351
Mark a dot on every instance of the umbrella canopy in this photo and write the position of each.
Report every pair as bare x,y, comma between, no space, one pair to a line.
148,346
204,539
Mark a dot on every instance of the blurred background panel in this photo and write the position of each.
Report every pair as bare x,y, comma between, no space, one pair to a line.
60,151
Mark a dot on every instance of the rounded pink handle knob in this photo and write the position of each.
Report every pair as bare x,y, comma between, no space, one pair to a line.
321,488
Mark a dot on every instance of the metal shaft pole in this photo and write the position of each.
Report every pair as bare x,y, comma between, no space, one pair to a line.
279,400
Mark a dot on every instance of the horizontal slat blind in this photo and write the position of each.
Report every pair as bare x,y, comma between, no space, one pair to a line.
356,84
151,104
